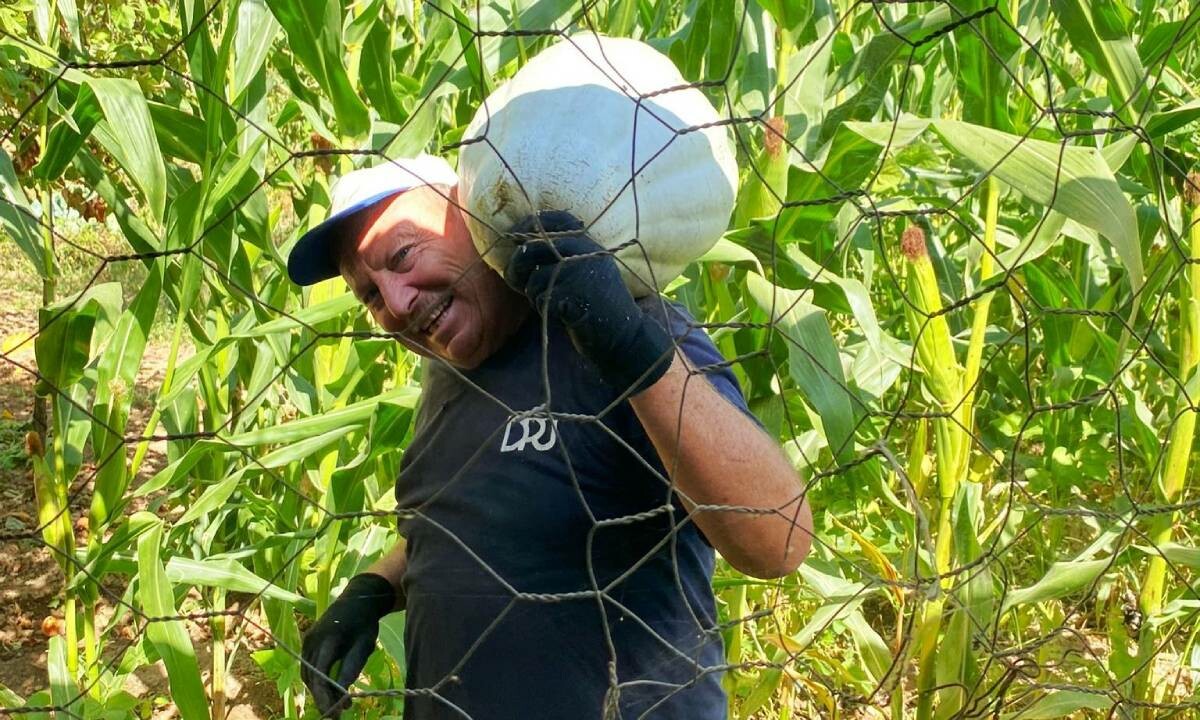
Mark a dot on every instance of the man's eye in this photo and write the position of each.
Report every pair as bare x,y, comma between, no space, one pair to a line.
398,257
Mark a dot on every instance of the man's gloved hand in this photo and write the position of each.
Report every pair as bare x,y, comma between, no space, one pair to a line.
346,632
575,281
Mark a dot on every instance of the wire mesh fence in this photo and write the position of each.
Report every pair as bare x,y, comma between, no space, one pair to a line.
959,287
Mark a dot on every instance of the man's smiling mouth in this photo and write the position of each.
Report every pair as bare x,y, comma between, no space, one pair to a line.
438,312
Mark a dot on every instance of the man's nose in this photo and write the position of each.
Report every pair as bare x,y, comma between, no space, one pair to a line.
400,298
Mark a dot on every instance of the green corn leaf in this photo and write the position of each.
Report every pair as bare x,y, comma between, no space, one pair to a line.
1174,553
127,132
1095,30
63,347
727,251
231,575
308,316
180,134
67,136
871,647
1075,181
314,31
812,359
391,637
169,637
1171,119
1063,703
256,30
63,691
1164,39
17,218
213,497
1061,580
766,688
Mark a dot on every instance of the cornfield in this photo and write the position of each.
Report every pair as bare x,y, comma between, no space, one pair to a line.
960,286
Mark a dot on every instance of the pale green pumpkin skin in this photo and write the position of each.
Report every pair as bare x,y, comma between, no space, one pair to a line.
566,133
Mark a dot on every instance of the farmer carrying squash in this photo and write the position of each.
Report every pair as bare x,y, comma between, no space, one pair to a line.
558,541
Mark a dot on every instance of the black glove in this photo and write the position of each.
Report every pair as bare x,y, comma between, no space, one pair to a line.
346,632
575,281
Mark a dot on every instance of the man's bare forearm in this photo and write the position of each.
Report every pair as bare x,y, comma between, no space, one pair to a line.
717,456
392,566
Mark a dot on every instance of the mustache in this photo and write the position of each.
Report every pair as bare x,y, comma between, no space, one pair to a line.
428,308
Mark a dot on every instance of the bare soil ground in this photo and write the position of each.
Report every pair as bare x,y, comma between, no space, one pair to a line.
31,591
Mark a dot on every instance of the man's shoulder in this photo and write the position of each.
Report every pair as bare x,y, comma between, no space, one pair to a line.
669,313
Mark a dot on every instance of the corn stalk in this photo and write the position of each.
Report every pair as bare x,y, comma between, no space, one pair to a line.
1179,449
54,517
951,386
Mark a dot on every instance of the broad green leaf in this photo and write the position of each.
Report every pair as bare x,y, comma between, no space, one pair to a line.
256,29
128,134
301,318
17,218
872,67
891,134
67,136
983,81
342,419
231,177
214,496
831,588
99,557
1174,553
871,647
1063,703
820,621
766,688
9,699
1171,119
727,251
1164,39
229,574
63,346
180,134
1062,579
788,14
885,345
70,17
813,360
63,691
169,637
307,448
391,637
314,31
1075,181
1094,31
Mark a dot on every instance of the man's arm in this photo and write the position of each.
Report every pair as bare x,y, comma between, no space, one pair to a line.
720,457
391,567
337,646
716,455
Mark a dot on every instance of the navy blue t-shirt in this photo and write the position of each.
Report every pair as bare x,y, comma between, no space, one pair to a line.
552,572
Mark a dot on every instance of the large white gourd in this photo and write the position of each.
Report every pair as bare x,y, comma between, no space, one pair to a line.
567,132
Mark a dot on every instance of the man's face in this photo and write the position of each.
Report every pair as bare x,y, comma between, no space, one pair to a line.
412,263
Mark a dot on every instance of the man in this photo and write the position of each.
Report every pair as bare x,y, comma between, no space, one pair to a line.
555,500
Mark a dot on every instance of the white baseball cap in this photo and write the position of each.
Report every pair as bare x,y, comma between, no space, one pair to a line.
312,258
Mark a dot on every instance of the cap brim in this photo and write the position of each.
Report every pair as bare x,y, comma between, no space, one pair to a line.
314,258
